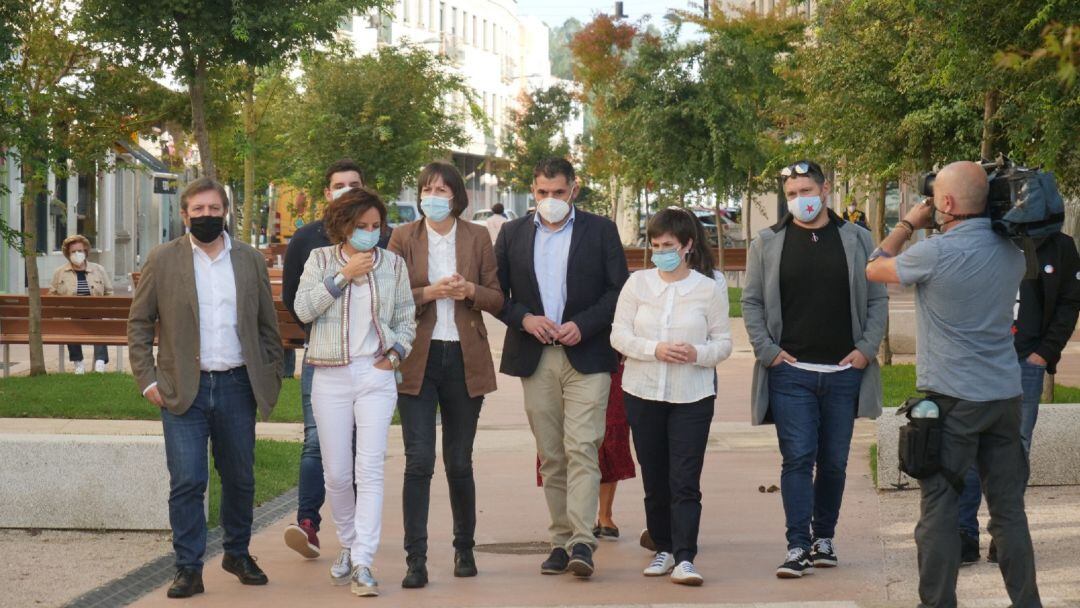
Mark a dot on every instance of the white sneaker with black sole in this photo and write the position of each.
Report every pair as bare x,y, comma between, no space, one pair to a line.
99,366
823,553
685,574
661,564
797,564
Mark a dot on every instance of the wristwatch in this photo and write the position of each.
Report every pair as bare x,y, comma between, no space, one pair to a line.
393,358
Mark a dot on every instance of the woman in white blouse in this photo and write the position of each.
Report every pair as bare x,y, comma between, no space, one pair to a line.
672,325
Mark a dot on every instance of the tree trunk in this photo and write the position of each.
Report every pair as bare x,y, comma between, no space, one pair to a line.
878,227
249,158
32,186
197,93
719,237
1048,389
990,131
748,207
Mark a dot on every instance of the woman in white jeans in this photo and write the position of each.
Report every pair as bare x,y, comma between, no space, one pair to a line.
358,299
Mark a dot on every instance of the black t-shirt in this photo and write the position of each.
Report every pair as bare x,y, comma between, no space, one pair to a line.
815,298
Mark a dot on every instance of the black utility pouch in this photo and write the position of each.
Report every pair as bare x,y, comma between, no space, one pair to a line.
919,448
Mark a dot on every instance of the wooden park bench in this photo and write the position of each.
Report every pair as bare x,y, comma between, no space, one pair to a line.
734,259
93,320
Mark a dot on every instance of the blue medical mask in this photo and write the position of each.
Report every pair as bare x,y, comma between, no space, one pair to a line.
667,260
435,207
805,208
363,240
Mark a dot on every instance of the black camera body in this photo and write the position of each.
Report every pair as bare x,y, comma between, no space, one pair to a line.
1021,202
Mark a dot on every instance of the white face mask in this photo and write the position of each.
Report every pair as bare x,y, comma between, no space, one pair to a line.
336,194
553,210
78,258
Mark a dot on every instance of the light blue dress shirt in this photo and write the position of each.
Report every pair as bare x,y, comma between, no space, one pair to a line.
551,252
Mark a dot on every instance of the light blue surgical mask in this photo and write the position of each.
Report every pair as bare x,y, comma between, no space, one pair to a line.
805,208
363,240
666,260
435,207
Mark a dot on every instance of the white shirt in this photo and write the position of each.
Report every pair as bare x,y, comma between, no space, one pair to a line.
651,310
363,339
219,338
442,262
494,224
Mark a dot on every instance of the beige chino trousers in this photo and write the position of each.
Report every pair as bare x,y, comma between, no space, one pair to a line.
567,414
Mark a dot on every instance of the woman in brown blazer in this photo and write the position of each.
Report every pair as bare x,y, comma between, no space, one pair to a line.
452,271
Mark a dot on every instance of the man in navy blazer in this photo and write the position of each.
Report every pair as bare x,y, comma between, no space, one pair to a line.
561,270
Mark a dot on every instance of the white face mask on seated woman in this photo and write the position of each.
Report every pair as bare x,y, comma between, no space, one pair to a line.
78,257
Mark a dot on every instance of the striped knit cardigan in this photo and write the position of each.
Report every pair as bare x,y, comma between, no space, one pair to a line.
321,303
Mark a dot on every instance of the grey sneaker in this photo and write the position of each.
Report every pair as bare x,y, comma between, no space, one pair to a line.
363,583
342,568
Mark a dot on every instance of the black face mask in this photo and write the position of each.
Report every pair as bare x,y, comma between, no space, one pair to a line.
207,228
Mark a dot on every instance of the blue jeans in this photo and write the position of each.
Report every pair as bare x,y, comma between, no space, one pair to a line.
814,415
288,365
311,492
1031,380
224,414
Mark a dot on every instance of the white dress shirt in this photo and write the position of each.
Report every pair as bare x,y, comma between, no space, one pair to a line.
442,262
651,310
363,339
219,338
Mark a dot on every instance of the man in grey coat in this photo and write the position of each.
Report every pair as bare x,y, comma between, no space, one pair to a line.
815,323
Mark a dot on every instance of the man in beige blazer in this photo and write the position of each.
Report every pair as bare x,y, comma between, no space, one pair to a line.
219,358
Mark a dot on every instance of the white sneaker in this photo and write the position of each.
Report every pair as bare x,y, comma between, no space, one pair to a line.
661,564
685,574
99,366
80,369
341,570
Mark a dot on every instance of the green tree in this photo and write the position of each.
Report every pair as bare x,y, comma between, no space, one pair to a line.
559,38
536,132
390,111
64,107
194,37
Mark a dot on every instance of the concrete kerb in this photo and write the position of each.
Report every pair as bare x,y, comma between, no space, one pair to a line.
1054,459
141,581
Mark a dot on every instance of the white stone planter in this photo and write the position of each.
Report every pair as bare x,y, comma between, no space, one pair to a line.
90,482
1055,459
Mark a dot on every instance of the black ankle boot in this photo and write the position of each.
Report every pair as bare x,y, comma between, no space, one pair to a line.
416,576
464,563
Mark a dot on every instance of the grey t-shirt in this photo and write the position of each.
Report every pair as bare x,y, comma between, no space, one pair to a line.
965,288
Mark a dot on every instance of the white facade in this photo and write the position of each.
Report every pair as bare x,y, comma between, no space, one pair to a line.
500,55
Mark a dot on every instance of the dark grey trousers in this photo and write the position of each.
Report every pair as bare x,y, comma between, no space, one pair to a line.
986,434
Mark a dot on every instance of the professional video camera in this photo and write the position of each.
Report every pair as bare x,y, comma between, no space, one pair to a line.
1022,202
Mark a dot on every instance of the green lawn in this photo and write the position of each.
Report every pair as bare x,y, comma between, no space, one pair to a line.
899,384
109,396
734,295
277,467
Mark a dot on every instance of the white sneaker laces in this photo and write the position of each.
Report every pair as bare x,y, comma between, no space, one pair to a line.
343,559
823,545
794,555
660,560
687,568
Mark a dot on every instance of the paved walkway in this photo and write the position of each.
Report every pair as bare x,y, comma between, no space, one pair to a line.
741,539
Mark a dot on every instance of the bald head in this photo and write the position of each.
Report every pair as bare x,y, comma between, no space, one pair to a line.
966,182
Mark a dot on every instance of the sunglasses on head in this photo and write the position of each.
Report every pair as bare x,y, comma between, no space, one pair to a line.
796,169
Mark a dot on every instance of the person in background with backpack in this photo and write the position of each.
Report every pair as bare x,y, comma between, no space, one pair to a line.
1045,317
965,287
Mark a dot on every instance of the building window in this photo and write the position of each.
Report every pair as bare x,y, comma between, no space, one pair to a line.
405,16
420,13
465,26
485,34
453,21
431,15
474,31
442,17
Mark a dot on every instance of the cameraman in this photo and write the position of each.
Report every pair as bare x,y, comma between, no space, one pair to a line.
966,282
1045,319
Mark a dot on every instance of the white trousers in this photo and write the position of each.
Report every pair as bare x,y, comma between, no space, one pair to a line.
363,395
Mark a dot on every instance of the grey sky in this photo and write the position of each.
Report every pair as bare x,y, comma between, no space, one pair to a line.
555,12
